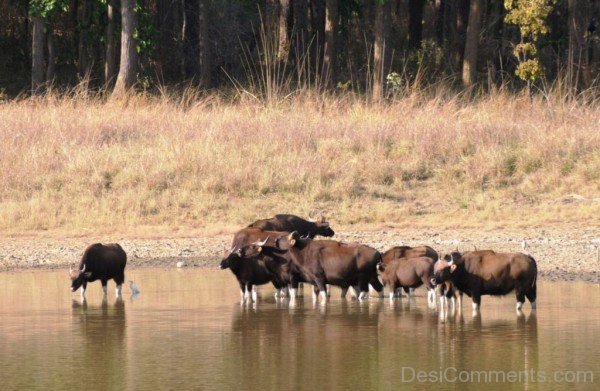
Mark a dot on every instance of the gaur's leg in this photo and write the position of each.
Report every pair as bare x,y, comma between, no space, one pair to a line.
322,287
364,289
520,293
254,290
531,294
377,285
104,287
344,292
83,288
119,281
242,290
476,302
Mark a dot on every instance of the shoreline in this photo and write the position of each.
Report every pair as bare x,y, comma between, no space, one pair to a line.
562,254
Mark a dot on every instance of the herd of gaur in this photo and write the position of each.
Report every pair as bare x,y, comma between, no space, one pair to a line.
284,251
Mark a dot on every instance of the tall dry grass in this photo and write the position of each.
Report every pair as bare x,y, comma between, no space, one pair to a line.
179,162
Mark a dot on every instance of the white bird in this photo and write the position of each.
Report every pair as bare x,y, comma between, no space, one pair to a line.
134,288
524,246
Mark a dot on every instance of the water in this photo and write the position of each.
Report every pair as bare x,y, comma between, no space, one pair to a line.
187,330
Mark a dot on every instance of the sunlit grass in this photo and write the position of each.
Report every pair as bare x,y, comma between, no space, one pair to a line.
181,161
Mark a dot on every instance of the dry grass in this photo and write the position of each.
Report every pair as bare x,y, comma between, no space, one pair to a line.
81,165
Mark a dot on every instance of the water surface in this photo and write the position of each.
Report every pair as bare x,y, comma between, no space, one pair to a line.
188,330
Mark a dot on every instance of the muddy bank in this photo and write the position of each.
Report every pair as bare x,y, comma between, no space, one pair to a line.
562,253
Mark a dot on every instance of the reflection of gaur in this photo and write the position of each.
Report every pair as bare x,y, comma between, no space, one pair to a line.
408,273
290,223
486,272
100,262
330,262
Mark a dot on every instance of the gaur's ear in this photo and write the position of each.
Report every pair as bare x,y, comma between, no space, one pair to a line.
452,268
292,242
87,275
259,249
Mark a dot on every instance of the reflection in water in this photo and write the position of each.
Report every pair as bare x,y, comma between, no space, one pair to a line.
102,331
188,331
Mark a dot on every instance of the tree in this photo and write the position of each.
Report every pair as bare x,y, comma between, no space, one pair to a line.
42,69
439,8
530,16
381,48
204,53
578,50
128,64
37,52
460,13
110,60
415,23
469,70
284,41
300,13
331,20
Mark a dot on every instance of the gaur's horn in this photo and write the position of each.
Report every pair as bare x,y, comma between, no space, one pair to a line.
82,270
260,244
304,237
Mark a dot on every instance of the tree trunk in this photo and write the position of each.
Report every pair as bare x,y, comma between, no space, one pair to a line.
110,65
84,21
271,19
204,45
128,64
51,69
190,41
415,23
439,8
300,26
37,54
284,40
381,48
578,21
329,57
461,13
469,71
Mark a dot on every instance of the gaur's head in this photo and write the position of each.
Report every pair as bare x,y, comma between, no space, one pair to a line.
381,267
235,255
323,227
292,240
78,277
444,267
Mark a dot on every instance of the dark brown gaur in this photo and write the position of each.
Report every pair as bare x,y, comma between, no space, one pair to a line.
291,223
486,272
251,271
100,262
336,263
408,273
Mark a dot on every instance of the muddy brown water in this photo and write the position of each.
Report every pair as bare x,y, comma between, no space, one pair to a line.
187,330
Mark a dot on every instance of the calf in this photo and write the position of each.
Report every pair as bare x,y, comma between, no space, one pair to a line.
478,273
290,223
250,270
100,262
408,273
330,262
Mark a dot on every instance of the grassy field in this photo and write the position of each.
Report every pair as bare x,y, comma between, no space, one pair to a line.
167,166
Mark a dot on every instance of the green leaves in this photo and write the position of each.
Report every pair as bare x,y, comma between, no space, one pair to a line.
46,8
530,16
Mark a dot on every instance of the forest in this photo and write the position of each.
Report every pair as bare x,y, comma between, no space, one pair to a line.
376,48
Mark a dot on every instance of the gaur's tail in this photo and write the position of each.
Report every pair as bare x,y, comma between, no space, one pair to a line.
535,266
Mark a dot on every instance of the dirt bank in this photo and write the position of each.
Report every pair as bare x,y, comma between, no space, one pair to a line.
562,253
